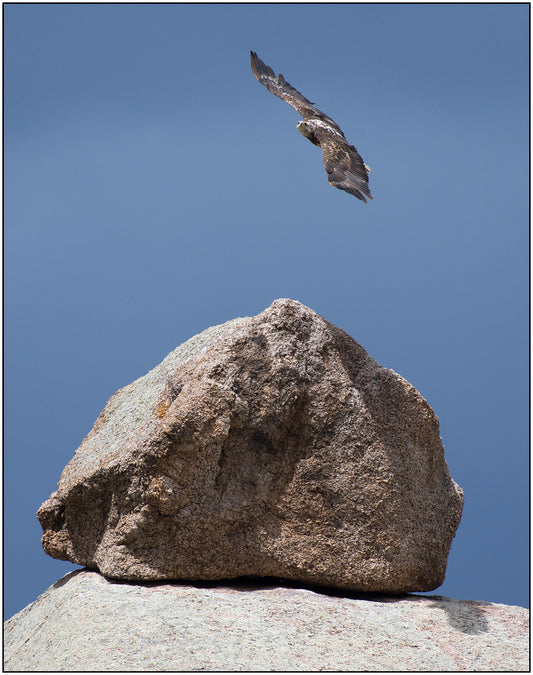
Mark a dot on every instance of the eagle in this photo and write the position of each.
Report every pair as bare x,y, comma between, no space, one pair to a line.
344,165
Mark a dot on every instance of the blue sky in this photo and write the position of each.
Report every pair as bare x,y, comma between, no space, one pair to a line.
153,188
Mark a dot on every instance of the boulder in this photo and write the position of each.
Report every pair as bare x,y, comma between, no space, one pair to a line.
271,445
87,623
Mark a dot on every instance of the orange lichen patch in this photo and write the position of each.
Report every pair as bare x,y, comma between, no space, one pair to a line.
162,408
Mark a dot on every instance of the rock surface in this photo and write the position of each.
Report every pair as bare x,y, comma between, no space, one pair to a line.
85,622
267,446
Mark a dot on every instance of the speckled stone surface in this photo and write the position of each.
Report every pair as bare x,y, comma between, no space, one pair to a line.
85,622
273,445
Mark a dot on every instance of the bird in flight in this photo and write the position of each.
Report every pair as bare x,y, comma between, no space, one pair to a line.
344,165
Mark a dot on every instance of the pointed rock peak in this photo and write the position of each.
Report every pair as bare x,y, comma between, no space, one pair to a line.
271,445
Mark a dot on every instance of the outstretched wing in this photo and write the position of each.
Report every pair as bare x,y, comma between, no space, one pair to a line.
344,166
283,90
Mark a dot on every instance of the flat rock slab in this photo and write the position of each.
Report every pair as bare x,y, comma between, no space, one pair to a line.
86,622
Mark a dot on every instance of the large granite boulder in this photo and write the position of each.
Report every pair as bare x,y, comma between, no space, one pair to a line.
87,623
267,446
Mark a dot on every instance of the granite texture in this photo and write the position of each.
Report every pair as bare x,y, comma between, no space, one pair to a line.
85,622
269,446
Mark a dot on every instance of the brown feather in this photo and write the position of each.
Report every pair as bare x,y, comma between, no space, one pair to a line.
344,165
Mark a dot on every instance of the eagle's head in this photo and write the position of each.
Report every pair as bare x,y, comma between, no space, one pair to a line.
304,128
307,130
